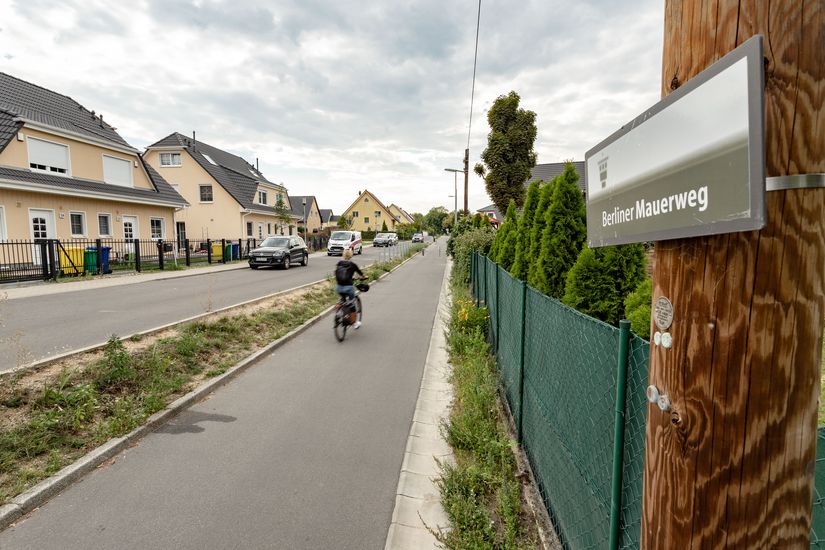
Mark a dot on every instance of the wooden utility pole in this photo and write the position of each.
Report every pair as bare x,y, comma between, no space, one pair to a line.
731,464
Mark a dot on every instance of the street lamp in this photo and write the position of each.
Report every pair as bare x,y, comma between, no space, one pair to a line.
455,191
304,203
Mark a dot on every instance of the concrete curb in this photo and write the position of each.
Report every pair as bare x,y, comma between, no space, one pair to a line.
418,509
46,489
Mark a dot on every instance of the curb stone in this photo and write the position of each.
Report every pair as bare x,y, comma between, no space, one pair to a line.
39,494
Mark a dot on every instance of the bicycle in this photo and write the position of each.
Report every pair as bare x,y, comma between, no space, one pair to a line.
348,311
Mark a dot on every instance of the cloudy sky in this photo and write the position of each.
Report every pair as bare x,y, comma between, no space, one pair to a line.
334,97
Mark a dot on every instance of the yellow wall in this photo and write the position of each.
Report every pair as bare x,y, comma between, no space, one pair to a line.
16,205
85,160
220,219
366,206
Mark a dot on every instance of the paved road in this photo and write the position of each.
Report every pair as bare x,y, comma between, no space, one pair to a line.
301,451
42,326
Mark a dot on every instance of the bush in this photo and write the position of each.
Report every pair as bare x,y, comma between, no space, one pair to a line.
537,230
637,308
505,239
478,240
521,262
601,279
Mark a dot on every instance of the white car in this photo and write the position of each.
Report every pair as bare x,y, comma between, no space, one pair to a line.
341,240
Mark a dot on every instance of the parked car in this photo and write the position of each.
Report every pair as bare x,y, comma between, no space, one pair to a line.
341,240
385,239
279,251
418,238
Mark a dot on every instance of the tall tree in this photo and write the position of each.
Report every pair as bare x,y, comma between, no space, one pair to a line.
525,225
433,221
563,236
509,155
537,229
282,213
504,253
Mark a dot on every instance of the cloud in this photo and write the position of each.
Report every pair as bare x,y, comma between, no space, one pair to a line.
337,96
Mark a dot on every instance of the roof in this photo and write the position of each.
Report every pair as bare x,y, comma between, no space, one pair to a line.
19,98
238,177
296,203
163,192
492,208
406,214
326,215
546,172
377,201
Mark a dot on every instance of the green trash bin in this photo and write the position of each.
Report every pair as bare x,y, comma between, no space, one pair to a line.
90,260
227,253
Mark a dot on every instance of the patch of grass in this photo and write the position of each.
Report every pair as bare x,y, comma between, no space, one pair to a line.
480,492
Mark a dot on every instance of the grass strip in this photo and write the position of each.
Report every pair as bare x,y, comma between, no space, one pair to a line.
480,492
47,421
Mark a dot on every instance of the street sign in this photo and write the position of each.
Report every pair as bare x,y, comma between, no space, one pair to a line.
691,165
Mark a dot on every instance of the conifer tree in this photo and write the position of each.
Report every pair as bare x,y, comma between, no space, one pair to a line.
539,221
506,251
563,235
521,261
602,278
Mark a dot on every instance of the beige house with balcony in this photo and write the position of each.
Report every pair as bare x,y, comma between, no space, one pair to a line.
368,213
65,173
228,197
307,206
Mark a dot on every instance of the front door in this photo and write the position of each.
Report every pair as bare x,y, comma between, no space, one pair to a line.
180,231
41,225
130,233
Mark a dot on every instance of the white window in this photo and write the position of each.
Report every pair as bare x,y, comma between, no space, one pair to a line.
3,234
207,157
377,213
269,229
156,228
170,159
366,219
104,225
117,171
78,222
262,197
249,229
47,156
260,231
206,193
355,213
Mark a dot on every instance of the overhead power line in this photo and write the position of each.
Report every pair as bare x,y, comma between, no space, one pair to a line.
475,62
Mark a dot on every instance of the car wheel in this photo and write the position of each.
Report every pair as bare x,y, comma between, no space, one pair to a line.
254,266
305,261
286,262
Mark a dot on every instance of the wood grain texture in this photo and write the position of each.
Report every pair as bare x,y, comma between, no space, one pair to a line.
731,466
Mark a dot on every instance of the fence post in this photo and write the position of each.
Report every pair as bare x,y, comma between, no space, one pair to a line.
521,359
498,310
44,259
209,251
160,254
486,261
188,258
137,255
618,434
99,248
223,251
54,263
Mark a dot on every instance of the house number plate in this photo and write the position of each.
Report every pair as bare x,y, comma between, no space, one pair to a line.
663,313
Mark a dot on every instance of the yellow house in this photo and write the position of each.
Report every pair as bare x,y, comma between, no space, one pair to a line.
67,174
228,197
307,207
368,213
400,214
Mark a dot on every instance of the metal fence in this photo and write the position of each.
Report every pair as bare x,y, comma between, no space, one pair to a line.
51,258
560,371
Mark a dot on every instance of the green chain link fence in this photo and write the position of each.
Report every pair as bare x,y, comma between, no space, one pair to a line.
558,370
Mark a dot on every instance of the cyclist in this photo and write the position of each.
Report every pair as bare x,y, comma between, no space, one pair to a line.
344,272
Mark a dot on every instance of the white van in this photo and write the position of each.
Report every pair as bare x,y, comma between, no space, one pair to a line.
341,240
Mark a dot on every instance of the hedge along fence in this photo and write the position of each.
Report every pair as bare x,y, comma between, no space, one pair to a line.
559,374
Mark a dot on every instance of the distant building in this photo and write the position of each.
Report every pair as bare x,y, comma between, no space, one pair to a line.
546,172
369,214
312,212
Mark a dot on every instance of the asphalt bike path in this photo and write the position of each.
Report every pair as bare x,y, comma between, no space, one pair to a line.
38,327
303,450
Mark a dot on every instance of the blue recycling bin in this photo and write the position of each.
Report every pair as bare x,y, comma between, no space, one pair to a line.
235,251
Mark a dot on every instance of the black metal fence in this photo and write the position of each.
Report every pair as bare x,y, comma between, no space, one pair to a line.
51,258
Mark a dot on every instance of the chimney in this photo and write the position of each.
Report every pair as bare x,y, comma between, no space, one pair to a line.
257,166
193,139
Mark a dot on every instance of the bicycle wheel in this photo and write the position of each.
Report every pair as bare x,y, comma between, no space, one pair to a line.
338,327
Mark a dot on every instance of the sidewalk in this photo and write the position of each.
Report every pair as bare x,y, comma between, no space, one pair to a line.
41,288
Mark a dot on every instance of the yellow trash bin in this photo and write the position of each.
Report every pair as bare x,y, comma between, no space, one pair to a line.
71,260
216,252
